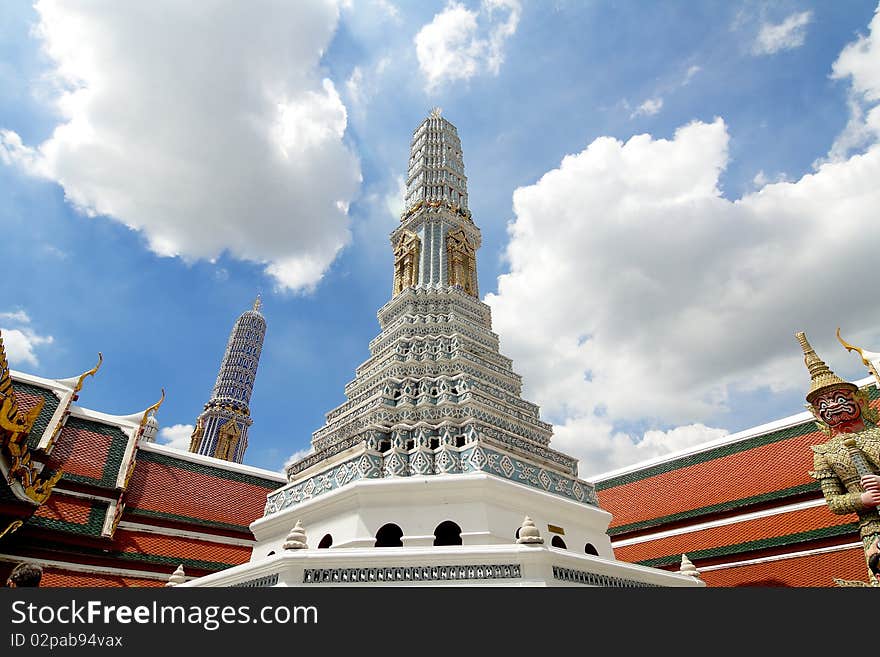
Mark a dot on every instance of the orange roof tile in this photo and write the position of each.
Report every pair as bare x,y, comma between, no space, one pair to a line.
778,525
765,469
26,401
70,514
56,577
178,489
82,451
68,509
143,543
810,570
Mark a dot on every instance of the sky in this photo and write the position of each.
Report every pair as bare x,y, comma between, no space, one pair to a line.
667,192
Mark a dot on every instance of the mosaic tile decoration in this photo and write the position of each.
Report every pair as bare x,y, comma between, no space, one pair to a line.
447,459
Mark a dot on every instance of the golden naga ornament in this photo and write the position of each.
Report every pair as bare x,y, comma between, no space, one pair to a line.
869,358
151,411
11,527
15,423
78,386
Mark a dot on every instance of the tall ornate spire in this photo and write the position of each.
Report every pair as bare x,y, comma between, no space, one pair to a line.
221,430
436,243
821,376
436,395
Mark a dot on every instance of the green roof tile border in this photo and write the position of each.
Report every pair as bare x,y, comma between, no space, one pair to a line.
148,513
171,561
115,452
213,471
49,408
717,508
761,544
91,527
801,429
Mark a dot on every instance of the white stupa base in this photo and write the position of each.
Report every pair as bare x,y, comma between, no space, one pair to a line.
484,565
488,509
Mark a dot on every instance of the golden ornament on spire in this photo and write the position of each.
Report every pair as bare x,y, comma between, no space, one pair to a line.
258,302
152,410
821,376
91,372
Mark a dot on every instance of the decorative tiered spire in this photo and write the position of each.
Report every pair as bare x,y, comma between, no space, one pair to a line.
436,396
821,376
436,242
436,166
221,430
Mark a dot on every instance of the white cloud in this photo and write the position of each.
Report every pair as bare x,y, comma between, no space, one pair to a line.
209,130
389,9
762,179
20,340
460,43
652,299
787,35
21,344
689,75
364,82
649,108
616,448
296,456
860,61
18,316
354,86
395,201
176,436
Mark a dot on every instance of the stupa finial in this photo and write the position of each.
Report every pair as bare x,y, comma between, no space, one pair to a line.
529,534
436,112
296,539
687,567
177,577
258,302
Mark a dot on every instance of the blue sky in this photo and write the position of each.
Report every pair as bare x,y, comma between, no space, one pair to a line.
667,191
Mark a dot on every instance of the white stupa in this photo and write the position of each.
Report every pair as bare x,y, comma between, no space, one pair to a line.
435,471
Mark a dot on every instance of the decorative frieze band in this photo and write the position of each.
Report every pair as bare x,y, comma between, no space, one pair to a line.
259,582
411,574
447,458
511,382
596,579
